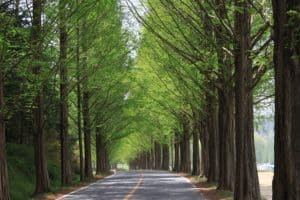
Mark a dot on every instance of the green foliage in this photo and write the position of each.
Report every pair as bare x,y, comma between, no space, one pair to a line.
134,101
21,171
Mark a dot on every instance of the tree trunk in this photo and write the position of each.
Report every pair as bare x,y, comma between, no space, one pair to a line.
246,178
152,155
144,160
42,179
176,152
213,141
185,152
172,155
88,171
78,74
4,190
101,153
17,5
21,126
187,167
107,164
166,157
148,160
157,150
226,140
226,106
286,182
66,175
196,149
204,148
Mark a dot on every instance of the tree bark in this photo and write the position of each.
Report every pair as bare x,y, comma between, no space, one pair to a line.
88,171
176,152
4,188
226,139
226,104
152,155
79,97
42,178
196,149
286,182
166,157
185,152
101,153
204,139
157,150
213,140
246,178
66,175
148,160
144,160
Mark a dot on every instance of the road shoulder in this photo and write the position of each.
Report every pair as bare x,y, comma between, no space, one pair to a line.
64,192
208,190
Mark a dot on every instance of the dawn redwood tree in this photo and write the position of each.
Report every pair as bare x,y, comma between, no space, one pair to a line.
66,175
246,177
42,178
225,103
176,151
79,95
213,139
148,160
196,147
165,156
101,153
86,117
88,171
286,182
157,152
4,190
185,152
204,139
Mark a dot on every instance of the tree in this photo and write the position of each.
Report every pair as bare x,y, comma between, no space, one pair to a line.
42,178
79,95
165,156
64,114
286,184
4,191
196,148
246,177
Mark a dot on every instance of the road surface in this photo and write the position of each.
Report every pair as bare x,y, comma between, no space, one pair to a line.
139,185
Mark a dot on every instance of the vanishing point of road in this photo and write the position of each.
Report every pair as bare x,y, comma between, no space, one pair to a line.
138,185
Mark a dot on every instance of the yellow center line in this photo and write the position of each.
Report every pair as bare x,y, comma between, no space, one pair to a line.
131,193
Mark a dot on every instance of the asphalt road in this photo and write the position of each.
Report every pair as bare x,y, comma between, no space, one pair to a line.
139,185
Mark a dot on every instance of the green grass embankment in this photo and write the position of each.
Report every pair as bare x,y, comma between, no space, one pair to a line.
22,174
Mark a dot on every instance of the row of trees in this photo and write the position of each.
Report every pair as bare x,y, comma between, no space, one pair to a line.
201,68
63,68
208,65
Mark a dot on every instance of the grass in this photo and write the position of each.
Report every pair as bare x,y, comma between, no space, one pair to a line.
21,172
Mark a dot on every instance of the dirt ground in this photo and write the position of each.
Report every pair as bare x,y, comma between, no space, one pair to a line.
210,193
265,181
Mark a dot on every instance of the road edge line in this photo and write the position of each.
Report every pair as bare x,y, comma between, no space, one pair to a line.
82,188
192,183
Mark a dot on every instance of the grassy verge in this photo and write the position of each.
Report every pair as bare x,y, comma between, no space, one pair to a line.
21,174
209,190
